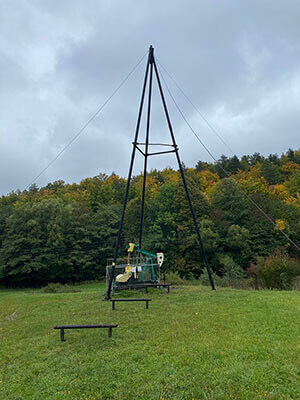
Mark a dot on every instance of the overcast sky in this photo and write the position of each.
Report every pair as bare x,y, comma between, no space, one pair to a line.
238,61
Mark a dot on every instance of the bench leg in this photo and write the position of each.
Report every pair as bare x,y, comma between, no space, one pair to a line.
146,289
147,304
62,335
113,305
168,288
110,331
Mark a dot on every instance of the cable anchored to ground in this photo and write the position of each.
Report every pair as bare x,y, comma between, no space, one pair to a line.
197,110
225,172
87,123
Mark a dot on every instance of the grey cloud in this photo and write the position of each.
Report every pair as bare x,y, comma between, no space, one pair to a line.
238,62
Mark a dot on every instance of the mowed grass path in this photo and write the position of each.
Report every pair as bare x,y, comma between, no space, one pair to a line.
191,344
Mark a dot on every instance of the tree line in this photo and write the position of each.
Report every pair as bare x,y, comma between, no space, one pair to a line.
65,232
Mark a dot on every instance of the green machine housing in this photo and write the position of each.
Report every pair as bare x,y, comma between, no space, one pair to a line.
138,268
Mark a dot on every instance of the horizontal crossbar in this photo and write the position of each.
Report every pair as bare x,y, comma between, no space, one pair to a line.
155,144
156,153
141,151
161,152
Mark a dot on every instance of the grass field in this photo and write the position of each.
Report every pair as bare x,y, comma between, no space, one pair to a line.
191,344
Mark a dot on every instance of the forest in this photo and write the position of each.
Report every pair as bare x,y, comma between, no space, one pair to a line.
66,232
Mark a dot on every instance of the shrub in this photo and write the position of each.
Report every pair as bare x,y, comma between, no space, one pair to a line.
225,281
59,288
231,269
218,281
233,275
175,279
276,271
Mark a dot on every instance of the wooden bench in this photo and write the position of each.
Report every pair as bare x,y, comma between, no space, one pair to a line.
63,327
114,300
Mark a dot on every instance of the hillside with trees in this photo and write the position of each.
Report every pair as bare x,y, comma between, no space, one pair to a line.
65,232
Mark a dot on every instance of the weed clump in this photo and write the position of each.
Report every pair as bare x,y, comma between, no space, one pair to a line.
58,288
175,279
225,281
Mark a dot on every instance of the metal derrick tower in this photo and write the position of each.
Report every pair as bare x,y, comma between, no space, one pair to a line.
152,70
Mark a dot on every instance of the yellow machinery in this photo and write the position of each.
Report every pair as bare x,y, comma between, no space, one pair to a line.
141,266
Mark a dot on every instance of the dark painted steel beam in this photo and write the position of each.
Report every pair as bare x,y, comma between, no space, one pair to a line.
183,178
108,292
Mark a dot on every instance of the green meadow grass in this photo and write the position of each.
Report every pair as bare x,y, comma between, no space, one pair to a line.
191,344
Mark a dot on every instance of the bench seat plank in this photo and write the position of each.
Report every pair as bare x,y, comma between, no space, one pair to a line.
63,327
130,299
85,326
